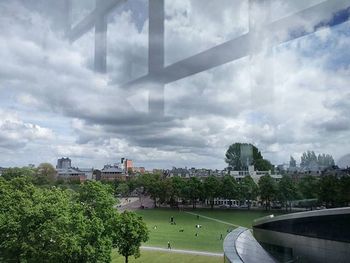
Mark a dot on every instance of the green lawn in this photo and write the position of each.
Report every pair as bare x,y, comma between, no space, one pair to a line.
161,257
208,238
238,217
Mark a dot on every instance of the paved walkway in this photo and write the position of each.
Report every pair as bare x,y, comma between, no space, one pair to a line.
213,219
181,251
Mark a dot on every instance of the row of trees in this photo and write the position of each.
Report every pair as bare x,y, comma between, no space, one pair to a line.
328,190
310,159
50,224
170,190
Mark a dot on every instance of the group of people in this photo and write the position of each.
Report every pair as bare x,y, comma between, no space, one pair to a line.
197,226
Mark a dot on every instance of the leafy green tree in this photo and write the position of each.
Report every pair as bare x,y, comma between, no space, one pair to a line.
131,231
151,184
193,190
263,165
267,189
178,184
248,190
211,189
55,225
123,189
229,188
309,160
165,191
238,154
328,190
308,187
45,174
344,191
287,191
14,172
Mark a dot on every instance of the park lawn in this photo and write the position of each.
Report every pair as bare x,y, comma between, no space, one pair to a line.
239,217
208,238
161,257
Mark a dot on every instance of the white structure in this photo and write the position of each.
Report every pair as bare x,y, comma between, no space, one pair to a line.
238,175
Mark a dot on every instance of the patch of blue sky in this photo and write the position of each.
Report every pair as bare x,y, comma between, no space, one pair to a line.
328,43
138,10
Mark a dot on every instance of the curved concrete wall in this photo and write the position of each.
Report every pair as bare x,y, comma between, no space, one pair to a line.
314,236
241,247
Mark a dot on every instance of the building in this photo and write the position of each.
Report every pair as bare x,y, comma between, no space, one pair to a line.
315,236
64,163
239,175
127,165
88,172
112,173
139,170
71,174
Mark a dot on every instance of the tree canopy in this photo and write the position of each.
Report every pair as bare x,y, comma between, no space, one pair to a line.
52,224
131,231
240,155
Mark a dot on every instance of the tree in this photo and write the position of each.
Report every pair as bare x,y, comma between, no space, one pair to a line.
193,190
151,184
287,191
211,187
11,173
131,230
165,190
344,191
178,189
263,165
123,189
240,155
267,188
308,187
328,190
309,160
45,174
229,188
55,225
292,162
248,190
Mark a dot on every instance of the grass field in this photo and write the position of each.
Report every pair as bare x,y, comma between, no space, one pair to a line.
243,218
161,257
208,238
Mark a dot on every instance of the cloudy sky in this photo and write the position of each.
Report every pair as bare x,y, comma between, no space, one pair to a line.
285,98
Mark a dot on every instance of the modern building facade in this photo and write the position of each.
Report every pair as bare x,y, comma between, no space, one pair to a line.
307,237
313,236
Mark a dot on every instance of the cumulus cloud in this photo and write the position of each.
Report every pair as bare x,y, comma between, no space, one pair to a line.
285,99
14,133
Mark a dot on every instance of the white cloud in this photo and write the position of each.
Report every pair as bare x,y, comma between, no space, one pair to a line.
285,100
